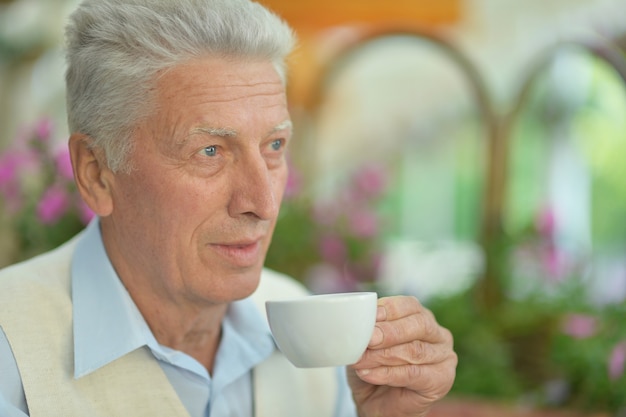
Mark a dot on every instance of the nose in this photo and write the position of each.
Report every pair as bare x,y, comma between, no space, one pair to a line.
256,189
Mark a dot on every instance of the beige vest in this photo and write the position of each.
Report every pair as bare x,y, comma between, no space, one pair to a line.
36,315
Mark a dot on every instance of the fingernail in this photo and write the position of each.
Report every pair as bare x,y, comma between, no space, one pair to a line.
377,337
362,372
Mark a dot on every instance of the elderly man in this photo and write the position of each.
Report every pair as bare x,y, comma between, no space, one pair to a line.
179,128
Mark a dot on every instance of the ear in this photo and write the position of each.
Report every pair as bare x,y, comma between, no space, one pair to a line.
91,174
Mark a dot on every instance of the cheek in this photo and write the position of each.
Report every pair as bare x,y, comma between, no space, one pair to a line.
281,182
183,204
150,196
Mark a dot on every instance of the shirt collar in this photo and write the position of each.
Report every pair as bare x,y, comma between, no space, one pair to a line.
246,342
108,324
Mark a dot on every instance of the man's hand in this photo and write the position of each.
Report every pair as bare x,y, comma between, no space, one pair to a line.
409,363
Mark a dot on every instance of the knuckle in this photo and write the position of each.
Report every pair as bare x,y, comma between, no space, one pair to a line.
448,336
401,305
393,334
414,373
416,352
388,355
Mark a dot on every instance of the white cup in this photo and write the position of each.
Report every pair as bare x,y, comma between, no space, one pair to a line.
323,330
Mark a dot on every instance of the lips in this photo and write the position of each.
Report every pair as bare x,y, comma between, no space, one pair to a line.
240,254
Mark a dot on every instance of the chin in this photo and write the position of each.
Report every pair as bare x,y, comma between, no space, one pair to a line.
240,286
245,292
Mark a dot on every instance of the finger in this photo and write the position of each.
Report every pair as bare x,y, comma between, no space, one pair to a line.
420,325
416,352
396,307
434,379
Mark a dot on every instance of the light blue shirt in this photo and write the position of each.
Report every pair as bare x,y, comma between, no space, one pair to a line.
108,325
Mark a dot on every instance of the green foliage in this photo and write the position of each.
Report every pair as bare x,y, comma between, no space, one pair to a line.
591,364
526,346
293,250
485,366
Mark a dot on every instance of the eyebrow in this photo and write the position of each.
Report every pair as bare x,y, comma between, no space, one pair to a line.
283,126
225,132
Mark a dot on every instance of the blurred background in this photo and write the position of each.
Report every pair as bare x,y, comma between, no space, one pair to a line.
471,153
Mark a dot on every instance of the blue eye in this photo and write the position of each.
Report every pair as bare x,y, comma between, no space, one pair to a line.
210,151
277,144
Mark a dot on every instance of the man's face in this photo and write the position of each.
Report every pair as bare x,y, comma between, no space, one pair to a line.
195,216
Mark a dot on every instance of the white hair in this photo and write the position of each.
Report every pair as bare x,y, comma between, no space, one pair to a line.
115,48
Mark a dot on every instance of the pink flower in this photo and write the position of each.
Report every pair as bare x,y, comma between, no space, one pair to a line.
556,263
64,164
326,213
53,204
325,278
16,162
546,223
13,198
44,129
332,248
9,163
370,181
294,184
363,223
617,358
580,326
375,262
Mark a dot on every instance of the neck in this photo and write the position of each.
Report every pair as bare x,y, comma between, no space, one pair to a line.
192,330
